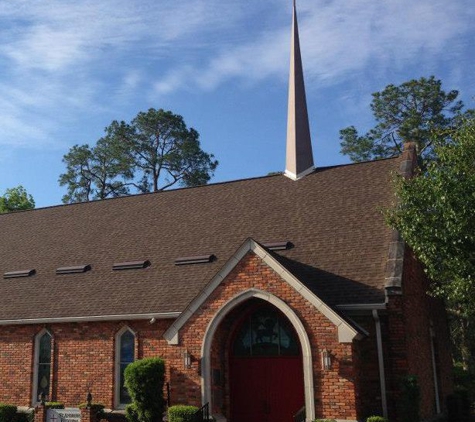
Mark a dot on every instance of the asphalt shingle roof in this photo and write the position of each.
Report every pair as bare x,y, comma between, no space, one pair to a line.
332,216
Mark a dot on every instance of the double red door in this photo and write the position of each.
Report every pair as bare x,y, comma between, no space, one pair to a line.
266,389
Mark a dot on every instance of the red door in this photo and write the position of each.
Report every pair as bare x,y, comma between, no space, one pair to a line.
266,375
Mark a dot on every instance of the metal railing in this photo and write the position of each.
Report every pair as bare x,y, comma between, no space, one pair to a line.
301,415
202,415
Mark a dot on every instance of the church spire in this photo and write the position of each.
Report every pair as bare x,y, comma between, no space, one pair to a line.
299,159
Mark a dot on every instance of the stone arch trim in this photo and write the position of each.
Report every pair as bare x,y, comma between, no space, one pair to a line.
206,396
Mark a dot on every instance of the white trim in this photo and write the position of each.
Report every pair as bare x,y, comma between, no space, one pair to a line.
92,318
293,176
118,335
206,396
36,354
346,332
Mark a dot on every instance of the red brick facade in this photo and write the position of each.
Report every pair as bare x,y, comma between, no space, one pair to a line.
84,353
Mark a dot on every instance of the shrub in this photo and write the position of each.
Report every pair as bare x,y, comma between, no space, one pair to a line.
24,417
376,419
410,399
7,412
325,420
95,407
144,381
181,413
54,405
131,413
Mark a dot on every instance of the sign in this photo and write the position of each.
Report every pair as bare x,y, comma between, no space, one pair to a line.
63,415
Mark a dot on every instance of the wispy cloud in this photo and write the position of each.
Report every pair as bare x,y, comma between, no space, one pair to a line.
61,58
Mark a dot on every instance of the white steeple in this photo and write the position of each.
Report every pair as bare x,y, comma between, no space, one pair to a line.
299,159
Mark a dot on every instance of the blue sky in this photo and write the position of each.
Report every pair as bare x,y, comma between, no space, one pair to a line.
70,67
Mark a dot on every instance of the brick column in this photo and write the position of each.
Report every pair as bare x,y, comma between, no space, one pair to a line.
87,415
40,413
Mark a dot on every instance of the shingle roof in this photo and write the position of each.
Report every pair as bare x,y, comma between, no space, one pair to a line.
332,217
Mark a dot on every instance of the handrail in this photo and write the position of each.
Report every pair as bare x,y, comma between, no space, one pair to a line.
301,415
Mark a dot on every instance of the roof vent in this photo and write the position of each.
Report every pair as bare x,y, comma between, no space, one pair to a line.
131,265
75,269
199,259
278,246
18,274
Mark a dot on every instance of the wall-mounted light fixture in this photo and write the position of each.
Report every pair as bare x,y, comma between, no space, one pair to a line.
187,359
326,360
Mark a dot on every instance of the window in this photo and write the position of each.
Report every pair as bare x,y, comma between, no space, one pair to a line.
125,354
42,374
265,332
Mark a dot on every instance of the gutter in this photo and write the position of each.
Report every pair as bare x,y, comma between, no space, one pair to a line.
92,318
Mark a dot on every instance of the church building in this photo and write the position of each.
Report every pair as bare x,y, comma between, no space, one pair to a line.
272,299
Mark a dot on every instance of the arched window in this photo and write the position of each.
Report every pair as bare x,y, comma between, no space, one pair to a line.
42,374
265,332
125,354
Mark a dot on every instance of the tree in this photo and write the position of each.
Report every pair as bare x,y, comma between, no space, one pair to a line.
16,199
411,111
436,217
152,153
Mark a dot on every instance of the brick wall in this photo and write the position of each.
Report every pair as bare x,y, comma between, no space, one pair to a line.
84,353
410,317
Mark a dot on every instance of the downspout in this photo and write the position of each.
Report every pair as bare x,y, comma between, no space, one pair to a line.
382,376
434,371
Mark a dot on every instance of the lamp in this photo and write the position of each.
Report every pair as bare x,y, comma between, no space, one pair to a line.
187,359
326,360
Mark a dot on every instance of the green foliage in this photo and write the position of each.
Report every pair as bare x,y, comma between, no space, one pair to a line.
54,405
410,401
376,419
325,420
144,381
24,417
95,407
7,412
131,413
436,217
181,413
411,111
154,151
16,199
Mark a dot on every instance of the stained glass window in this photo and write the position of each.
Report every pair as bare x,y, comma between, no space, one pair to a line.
127,352
265,332
44,365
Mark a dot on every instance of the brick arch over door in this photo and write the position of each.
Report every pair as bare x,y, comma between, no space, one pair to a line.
294,320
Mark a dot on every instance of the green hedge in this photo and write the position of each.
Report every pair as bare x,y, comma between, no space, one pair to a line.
181,413
376,419
95,407
325,420
7,412
144,380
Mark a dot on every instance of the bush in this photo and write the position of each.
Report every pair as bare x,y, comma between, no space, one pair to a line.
24,417
54,405
95,407
181,413
7,412
131,413
144,381
376,419
325,420
410,403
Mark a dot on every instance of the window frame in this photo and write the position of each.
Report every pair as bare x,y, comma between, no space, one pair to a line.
117,364
36,365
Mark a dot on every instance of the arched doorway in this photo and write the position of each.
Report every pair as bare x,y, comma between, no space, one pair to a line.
265,367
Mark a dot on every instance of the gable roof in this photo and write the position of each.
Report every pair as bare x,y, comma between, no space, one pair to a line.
346,332
332,217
